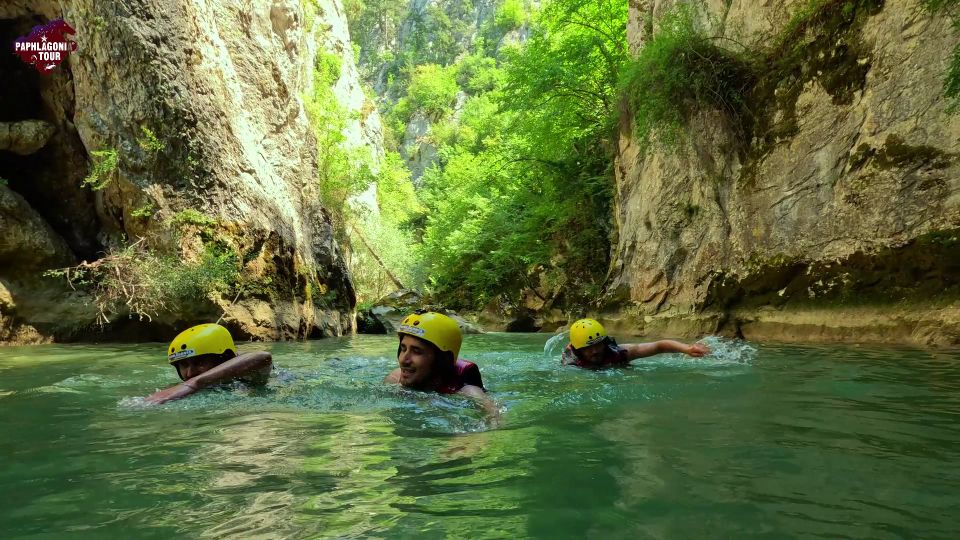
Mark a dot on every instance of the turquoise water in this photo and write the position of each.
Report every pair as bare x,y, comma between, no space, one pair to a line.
756,441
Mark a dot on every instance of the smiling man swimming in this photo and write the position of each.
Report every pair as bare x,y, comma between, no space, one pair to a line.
428,358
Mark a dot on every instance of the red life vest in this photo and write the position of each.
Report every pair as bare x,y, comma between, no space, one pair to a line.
464,372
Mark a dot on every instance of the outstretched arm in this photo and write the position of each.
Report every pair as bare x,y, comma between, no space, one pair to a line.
181,390
643,350
246,365
490,408
249,364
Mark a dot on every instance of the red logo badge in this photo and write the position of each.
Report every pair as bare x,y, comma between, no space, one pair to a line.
46,46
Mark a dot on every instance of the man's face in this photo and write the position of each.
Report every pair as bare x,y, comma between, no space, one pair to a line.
189,368
592,354
416,360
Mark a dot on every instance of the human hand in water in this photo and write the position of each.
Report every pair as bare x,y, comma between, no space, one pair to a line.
698,350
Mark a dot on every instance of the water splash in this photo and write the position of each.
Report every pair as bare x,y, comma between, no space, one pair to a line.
555,345
728,351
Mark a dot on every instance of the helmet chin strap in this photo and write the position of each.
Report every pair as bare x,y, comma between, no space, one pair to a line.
179,374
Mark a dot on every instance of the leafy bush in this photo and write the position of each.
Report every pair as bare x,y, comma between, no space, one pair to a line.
433,89
478,74
190,216
680,71
149,142
136,281
106,162
341,172
144,211
952,81
509,15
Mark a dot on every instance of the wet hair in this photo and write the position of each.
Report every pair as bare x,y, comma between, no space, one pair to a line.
216,359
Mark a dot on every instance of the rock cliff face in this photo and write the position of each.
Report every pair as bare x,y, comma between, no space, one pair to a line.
218,84
838,220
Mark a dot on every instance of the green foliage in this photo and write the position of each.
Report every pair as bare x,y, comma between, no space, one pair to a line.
4,182
510,14
396,198
103,169
326,68
678,72
478,73
149,141
382,244
341,173
136,281
564,83
190,216
216,273
952,81
521,197
144,211
433,89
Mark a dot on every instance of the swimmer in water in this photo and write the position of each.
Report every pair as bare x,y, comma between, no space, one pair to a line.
590,347
428,358
205,356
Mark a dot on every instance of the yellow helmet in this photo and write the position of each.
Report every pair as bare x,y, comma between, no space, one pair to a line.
434,327
586,332
200,340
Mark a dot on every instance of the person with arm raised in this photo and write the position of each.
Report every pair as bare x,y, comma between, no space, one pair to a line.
206,356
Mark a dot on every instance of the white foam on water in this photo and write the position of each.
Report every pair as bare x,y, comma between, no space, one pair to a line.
555,345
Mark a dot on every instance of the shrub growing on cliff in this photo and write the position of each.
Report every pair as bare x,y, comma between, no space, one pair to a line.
952,81
105,163
136,281
678,72
433,89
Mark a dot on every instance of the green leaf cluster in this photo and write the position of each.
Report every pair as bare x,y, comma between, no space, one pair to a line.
951,84
433,89
190,216
149,142
511,14
106,162
341,172
678,72
520,198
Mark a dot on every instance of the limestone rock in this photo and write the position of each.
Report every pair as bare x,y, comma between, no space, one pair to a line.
27,242
25,137
863,176
218,86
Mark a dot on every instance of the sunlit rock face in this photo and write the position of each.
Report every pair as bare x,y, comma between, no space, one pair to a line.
219,84
836,218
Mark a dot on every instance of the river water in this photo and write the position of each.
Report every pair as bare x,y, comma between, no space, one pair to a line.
754,441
